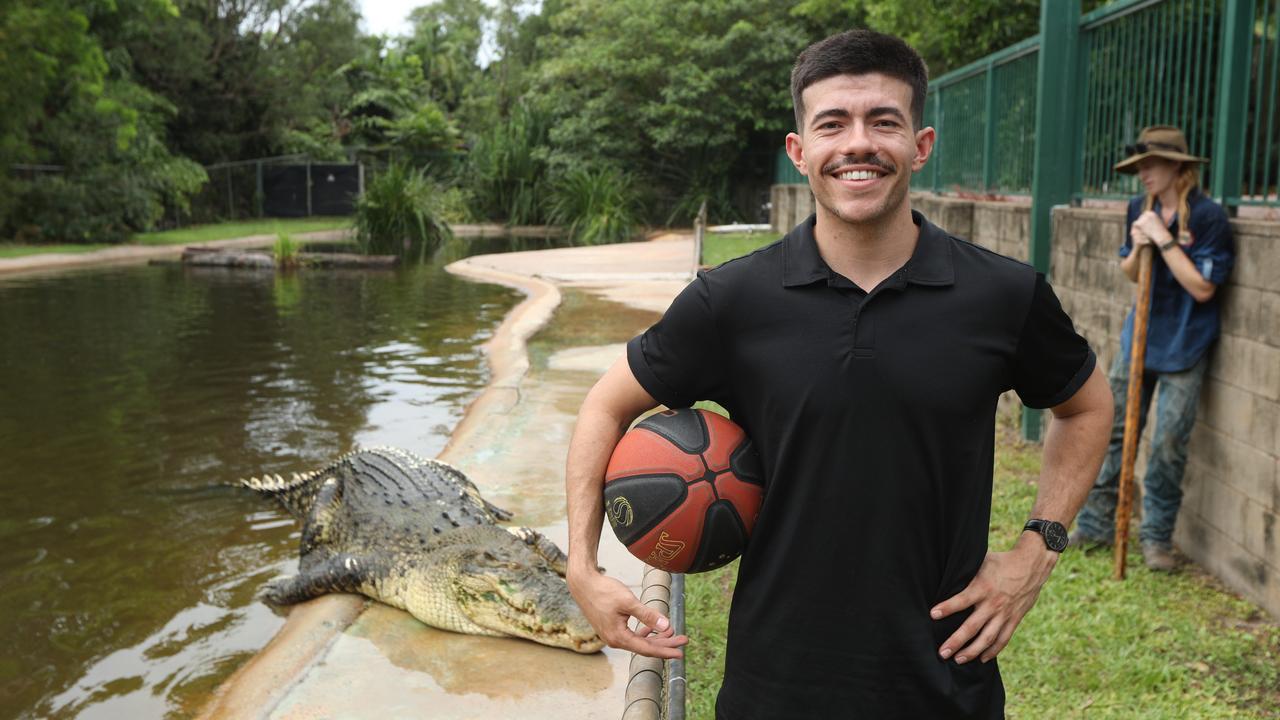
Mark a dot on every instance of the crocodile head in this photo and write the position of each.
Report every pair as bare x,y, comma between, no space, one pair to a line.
510,590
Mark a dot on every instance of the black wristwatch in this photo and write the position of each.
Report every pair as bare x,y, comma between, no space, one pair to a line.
1172,241
1054,534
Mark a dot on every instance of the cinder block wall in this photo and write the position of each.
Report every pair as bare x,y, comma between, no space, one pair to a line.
1228,522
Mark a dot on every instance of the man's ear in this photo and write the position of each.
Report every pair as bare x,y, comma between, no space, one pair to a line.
924,148
795,151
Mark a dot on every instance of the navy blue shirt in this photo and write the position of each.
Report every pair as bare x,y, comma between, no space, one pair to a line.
1181,330
873,412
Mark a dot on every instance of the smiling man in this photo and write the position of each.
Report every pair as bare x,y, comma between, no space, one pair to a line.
864,354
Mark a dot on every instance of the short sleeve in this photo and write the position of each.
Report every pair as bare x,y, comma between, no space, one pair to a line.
1052,360
679,360
1135,209
1213,250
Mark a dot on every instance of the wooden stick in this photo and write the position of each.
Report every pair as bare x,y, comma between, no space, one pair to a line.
1132,408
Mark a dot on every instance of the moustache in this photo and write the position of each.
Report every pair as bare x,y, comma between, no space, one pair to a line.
855,160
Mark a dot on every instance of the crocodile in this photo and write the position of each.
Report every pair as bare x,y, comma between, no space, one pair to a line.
416,534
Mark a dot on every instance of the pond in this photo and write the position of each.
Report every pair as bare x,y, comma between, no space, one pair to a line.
132,397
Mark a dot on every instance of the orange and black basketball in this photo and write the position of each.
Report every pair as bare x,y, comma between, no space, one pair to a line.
683,489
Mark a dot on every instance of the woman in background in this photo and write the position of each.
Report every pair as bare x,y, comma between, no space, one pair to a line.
1191,239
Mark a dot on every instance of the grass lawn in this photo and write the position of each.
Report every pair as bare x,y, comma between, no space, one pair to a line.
193,234
717,247
1153,646
241,228
16,250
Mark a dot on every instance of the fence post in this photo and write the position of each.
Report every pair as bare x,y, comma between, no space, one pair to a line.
259,196
937,126
1080,117
231,197
308,187
1231,110
989,132
699,233
1054,151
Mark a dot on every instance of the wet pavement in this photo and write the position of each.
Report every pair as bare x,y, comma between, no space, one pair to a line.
342,657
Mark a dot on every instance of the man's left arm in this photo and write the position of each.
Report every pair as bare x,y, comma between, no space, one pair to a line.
1008,583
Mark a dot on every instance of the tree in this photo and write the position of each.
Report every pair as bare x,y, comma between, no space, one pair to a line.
102,131
46,51
948,35
446,39
392,107
677,109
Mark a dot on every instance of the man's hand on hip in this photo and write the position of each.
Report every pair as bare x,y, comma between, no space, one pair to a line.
609,605
1001,594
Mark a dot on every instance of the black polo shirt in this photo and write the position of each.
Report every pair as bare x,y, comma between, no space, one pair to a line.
874,415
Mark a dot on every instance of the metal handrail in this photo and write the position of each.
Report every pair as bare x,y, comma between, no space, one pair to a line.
656,688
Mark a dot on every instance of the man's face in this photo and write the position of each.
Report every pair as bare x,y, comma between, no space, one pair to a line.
858,147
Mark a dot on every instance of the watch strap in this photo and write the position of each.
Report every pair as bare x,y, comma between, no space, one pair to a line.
1053,533
1165,246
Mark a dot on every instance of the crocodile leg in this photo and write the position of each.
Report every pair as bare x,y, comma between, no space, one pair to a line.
543,546
338,573
326,506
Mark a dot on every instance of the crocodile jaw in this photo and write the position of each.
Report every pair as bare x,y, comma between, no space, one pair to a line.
502,617
477,594
517,594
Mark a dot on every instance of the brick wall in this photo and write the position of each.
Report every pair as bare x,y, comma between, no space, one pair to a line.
1228,522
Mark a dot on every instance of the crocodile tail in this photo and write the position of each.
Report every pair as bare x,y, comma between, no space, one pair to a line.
296,493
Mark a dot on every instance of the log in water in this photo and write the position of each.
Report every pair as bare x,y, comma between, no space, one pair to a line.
204,257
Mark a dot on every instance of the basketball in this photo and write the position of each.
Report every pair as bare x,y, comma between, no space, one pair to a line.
683,489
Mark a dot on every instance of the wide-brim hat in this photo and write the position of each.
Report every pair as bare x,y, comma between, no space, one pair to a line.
1162,141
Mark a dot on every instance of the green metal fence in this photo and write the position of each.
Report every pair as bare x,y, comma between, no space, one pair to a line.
985,117
1210,67
1145,64
784,172
1262,156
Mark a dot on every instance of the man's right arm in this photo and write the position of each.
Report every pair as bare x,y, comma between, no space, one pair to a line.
612,404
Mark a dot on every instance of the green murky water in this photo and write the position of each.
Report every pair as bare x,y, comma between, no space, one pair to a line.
129,399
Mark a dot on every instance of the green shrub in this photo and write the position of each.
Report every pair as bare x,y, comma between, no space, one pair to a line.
285,251
704,185
456,205
400,207
595,205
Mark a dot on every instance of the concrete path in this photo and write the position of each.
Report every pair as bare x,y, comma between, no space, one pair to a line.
341,657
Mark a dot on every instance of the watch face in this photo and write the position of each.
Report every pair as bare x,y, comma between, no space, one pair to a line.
1055,536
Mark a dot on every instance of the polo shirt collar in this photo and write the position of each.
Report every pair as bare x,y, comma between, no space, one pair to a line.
930,263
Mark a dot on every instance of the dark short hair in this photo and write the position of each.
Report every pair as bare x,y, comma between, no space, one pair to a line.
858,52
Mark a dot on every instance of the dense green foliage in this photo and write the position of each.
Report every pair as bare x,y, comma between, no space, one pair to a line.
507,170
112,108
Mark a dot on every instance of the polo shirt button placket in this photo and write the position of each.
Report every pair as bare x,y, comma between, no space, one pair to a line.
865,349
